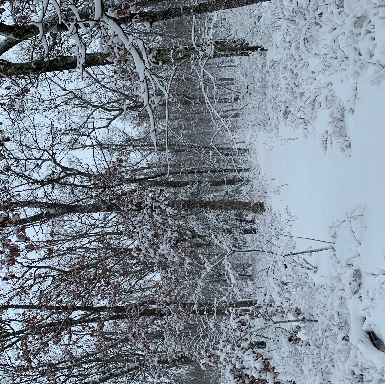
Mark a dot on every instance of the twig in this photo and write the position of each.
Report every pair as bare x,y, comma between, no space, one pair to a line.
307,238
308,251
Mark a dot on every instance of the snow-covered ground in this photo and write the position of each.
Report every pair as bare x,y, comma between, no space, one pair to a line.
339,199
322,157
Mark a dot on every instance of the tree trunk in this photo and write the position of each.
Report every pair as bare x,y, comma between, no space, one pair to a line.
59,64
222,205
184,183
147,309
161,56
170,56
56,210
186,10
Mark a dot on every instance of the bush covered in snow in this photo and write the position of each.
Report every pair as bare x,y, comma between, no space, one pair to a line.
315,49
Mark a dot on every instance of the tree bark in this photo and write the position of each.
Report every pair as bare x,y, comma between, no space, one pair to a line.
115,313
149,309
186,10
15,34
169,56
184,183
59,64
160,56
222,205
56,210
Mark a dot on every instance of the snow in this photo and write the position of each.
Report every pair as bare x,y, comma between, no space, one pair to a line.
320,188
324,166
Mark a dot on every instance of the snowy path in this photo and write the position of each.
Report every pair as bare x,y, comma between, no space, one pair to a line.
321,189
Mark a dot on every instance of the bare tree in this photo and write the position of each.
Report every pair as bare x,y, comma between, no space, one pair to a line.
104,264
88,292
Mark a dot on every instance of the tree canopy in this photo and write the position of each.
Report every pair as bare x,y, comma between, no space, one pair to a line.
116,229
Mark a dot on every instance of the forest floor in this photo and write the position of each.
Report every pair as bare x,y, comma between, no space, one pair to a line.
323,163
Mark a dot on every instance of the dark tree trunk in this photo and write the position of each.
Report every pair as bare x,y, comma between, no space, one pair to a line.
187,10
163,56
223,205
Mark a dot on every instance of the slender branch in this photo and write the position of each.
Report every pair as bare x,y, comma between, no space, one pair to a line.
307,238
287,254
308,251
295,321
